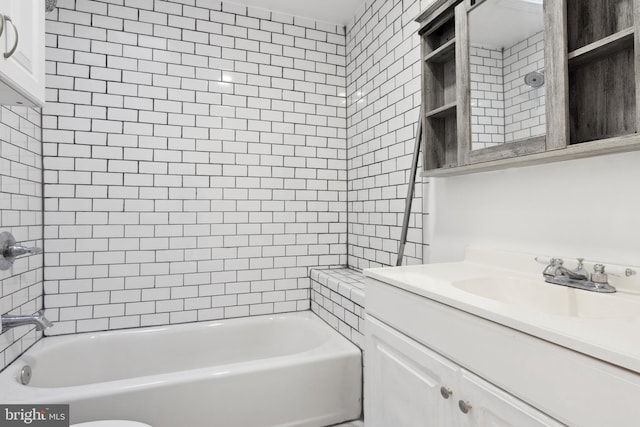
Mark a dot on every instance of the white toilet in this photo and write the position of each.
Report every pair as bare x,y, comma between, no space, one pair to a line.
111,423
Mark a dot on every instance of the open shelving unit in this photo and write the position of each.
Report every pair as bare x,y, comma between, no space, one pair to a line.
442,112
442,54
602,58
622,40
439,80
592,86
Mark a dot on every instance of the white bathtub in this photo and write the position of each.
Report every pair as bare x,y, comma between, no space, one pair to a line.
279,370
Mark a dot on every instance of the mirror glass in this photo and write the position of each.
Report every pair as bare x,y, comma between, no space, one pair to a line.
506,43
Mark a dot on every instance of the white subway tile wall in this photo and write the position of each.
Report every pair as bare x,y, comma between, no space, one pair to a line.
337,296
503,107
487,97
195,161
21,214
383,96
524,106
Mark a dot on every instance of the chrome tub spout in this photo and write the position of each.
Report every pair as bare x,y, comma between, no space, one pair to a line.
13,321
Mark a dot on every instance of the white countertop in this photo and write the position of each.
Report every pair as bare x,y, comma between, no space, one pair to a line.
612,337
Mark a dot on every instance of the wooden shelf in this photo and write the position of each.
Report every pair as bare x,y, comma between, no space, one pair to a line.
588,21
601,48
442,54
620,144
444,111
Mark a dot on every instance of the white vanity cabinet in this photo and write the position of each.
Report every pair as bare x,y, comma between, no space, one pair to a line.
490,406
22,74
404,381
407,385
422,344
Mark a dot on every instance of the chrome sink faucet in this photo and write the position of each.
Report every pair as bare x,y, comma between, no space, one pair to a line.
556,268
13,321
556,273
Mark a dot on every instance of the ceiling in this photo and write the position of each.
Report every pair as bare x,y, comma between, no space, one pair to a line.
339,12
502,23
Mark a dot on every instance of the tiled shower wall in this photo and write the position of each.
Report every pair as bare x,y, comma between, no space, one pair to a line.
195,161
503,107
487,97
524,106
20,214
383,96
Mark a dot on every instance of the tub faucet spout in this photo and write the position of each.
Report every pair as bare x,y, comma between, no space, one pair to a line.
13,321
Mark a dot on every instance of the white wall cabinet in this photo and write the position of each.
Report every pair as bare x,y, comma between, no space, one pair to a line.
408,385
22,75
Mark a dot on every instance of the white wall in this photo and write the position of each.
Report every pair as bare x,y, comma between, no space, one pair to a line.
582,208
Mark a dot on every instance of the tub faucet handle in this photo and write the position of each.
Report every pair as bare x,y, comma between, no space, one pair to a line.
17,250
10,250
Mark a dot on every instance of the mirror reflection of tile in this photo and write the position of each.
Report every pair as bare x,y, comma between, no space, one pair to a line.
504,108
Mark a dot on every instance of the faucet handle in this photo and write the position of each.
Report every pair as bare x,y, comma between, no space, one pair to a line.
620,271
544,260
598,275
9,250
549,260
13,251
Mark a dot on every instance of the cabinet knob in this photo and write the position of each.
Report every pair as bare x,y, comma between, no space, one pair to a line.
465,407
445,392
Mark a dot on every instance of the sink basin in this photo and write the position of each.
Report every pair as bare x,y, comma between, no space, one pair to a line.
548,298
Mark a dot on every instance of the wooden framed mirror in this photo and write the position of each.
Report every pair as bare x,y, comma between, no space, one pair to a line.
507,79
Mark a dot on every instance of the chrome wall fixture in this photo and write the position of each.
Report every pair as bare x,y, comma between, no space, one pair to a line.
534,79
37,319
9,250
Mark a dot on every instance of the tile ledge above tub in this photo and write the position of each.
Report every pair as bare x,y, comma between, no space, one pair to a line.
337,296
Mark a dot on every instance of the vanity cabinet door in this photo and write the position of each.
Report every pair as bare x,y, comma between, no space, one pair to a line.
22,74
488,406
403,381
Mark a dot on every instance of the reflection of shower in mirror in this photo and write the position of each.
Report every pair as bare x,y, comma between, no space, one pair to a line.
50,5
534,79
